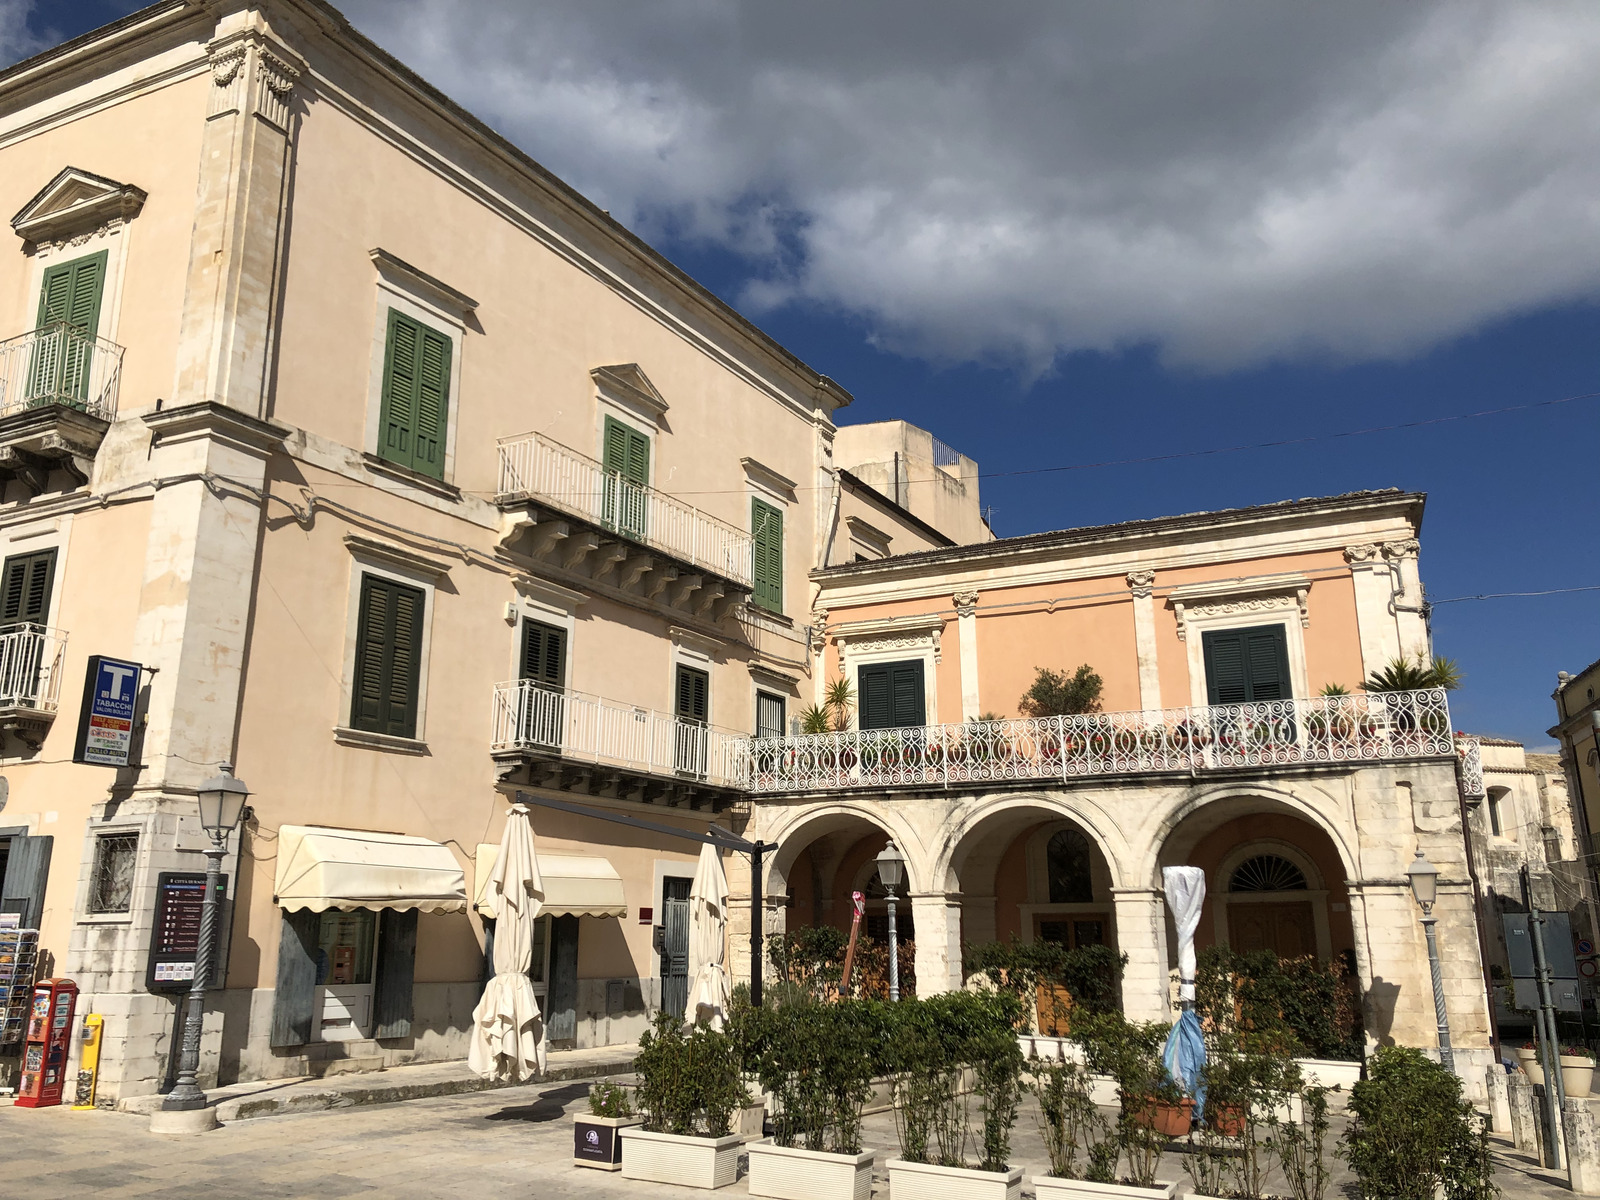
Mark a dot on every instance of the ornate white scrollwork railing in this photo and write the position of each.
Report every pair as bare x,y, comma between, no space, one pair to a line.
1471,751
533,467
60,364
30,666
575,725
1328,729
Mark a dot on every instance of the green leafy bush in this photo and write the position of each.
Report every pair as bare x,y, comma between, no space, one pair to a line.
818,1061
1057,694
1130,1052
1308,1008
1070,1122
689,1083
1091,975
1411,1133
931,1043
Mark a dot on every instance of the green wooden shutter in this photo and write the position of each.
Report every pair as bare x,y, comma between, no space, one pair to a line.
693,694
433,404
626,451
544,650
875,693
25,584
71,292
388,657
766,552
1246,665
294,997
26,875
416,396
907,694
1267,660
1223,652
392,1003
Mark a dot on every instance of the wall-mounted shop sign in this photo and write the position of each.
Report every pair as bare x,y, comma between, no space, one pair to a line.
105,724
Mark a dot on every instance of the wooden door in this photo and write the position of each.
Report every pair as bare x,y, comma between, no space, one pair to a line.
1284,927
675,945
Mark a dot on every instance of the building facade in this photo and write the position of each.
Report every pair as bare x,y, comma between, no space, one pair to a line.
1218,742
409,479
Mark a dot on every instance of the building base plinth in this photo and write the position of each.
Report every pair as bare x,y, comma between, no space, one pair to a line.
184,1121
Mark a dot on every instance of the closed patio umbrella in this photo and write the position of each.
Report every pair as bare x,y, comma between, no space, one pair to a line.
508,1035
708,934
1185,1052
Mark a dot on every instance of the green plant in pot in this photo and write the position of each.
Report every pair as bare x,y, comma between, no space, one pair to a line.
1078,1138
1153,1108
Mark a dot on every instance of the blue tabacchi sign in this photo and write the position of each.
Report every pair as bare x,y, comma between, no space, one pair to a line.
105,726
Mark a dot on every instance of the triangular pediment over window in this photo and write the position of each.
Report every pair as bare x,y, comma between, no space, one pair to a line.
627,384
74,202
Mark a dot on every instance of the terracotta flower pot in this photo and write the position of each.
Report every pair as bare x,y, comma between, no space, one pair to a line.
1169,1120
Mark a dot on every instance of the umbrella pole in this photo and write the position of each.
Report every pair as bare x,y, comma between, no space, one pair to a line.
757,921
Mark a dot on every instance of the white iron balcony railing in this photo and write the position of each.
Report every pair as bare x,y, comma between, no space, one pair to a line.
30,666
533,467
1328,729
60,364
585,728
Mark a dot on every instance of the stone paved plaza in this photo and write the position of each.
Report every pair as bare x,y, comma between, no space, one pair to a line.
508,1143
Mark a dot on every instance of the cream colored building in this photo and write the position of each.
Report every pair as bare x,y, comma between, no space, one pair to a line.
409,478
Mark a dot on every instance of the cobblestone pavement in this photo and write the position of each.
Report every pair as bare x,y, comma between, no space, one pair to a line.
511,1143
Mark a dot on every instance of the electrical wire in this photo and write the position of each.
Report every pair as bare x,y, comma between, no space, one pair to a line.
1591,587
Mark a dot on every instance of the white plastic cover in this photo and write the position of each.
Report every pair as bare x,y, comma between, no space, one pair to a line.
1186,893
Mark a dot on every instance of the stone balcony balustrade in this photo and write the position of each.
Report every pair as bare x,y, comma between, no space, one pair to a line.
58,396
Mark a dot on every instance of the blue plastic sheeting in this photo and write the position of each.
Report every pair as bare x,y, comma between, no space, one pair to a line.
1184,1056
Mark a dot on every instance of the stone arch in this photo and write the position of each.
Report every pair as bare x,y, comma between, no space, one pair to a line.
968,826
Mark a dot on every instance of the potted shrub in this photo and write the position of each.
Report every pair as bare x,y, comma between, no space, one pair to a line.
595,1138
689,1086
934,1046
1081,1143
1577,1071
818,1062
1411,1133
1153,1108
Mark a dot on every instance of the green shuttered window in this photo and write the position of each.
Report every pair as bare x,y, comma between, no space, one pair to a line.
25,584
71,293
693,700
891,695
388,657
1246,665
625,455
416,396
766,548
544,653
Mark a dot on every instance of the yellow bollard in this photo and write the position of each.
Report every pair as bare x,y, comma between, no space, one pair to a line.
88,1061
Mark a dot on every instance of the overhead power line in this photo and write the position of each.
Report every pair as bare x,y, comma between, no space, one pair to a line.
1593,587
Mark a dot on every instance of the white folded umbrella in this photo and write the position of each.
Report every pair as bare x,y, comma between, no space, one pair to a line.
508,1032
709,994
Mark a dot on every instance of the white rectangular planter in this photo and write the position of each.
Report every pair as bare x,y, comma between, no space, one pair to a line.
924,1181
1329,1072
1051,1188
595,1142
790,1173
701,1162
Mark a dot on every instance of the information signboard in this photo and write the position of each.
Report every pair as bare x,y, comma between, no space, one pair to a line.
175,940
105,723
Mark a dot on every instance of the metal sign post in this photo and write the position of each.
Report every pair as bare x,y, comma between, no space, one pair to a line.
718,837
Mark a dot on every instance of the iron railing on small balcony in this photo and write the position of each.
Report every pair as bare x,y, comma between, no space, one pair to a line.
30,666
60,364
576,725
1327,729
533,467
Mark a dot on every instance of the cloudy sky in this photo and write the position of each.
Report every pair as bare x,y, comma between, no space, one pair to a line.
1065,233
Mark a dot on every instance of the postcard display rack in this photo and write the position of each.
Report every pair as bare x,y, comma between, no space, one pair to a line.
19,951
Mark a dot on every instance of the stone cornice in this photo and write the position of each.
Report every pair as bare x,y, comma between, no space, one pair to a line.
403,275
764,475
101,204
395,555
217,421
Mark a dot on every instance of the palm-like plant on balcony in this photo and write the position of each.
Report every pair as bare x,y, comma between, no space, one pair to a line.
839,699
1415,674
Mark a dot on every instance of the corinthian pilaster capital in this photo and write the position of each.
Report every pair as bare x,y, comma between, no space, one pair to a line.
1363,552
252,72
966,603
1142,583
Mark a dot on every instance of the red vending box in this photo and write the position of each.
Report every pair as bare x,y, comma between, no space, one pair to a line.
44,1047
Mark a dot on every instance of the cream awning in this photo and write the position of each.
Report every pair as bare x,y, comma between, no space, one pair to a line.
320,868
574,884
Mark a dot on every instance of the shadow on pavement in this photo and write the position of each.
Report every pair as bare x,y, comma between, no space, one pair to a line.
550,1106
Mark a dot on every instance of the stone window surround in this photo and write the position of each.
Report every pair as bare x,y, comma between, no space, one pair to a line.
892,639
1243,604
418,295
102,225
691,649
142,876
549,604
371,557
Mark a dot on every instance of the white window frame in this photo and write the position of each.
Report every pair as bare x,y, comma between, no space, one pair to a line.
1294,642
113,240
548,604
408,291
892,640
690,649
366,559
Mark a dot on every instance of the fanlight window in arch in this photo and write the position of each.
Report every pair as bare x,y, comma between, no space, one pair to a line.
1267,873
1067,865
